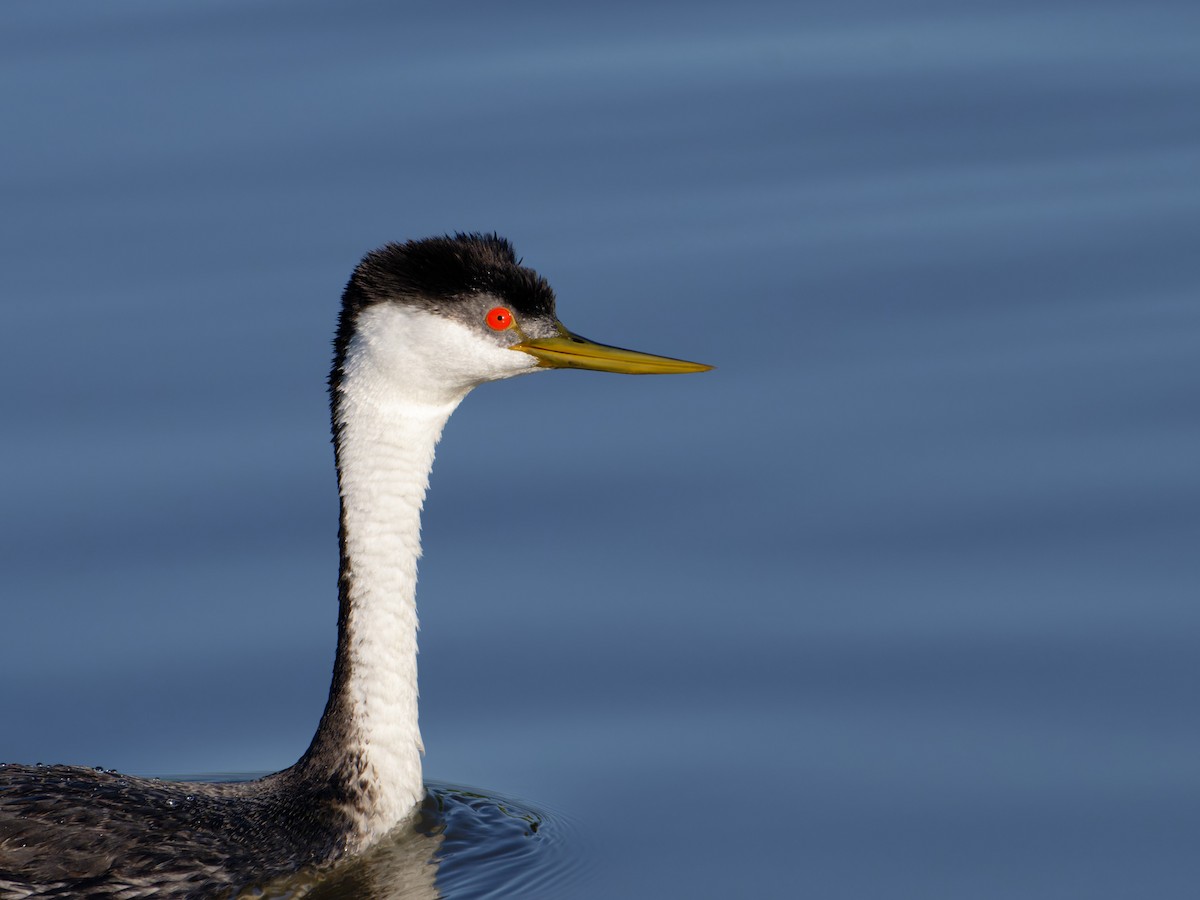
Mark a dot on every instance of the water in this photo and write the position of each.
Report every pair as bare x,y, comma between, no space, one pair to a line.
898,602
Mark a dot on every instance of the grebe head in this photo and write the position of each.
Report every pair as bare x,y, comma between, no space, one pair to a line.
437,317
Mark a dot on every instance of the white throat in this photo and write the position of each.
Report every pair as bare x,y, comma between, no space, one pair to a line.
395,396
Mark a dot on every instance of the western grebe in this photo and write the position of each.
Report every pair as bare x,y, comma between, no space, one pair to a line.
421,324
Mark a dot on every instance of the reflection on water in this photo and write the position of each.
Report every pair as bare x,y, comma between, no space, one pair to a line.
463,844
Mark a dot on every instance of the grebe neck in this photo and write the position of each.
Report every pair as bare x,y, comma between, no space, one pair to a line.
368,745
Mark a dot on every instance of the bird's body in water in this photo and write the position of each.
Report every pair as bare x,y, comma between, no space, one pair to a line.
422,323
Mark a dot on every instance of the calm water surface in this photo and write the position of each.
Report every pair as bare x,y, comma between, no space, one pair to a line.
901,601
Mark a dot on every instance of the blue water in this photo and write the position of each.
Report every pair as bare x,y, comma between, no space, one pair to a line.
900,601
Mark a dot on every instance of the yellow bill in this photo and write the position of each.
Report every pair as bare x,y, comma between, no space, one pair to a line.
570,351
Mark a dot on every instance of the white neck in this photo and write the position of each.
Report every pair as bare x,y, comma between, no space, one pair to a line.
386,454
398,386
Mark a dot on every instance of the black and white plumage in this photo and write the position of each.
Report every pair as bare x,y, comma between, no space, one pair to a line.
422,323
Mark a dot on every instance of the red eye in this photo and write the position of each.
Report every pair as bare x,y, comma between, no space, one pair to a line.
499,318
